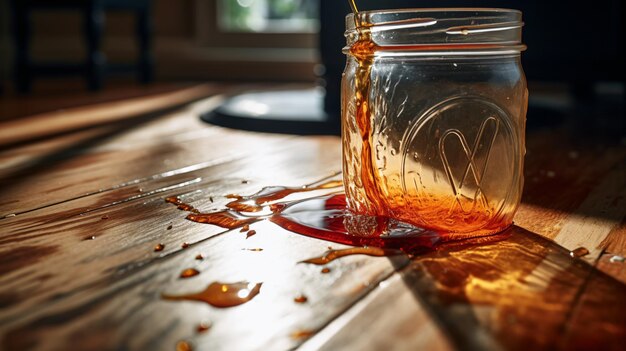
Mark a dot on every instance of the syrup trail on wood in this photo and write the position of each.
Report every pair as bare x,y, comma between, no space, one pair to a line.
222,295
332,255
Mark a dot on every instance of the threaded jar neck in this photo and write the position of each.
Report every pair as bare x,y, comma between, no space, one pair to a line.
451,31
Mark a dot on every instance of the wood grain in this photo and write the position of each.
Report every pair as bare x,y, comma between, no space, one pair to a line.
81,213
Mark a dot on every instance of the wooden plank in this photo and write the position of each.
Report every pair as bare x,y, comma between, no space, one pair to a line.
559,175
522,292
56,122
482,294
180,140
390,317
600,213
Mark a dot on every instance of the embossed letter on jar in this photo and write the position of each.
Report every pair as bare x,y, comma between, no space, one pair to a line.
433,117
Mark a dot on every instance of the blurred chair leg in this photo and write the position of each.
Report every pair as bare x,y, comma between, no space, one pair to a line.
144,35
21,39
94,28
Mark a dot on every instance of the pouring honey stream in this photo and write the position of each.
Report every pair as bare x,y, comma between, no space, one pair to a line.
363,50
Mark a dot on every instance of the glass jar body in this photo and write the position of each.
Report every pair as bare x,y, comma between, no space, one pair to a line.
446,139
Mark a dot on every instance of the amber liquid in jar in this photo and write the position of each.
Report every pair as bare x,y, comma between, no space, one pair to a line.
427,148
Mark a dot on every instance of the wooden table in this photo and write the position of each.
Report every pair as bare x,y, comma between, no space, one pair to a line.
82,209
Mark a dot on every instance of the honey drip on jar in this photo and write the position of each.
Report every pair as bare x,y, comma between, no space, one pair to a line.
222,295
363,51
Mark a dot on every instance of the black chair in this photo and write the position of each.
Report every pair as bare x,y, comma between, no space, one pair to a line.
93,12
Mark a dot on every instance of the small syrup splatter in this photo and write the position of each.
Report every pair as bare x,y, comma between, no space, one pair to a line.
183,346
105,217
245,228
184,245
579,252
325,270
250,233
180,204
300,299
93,237
245,181
222,219
203,327
189,272
332,255
616,258
222,295
199,257
169,227
158,247
256,249
302,334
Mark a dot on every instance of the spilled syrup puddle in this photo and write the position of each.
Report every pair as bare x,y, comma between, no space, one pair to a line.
322,217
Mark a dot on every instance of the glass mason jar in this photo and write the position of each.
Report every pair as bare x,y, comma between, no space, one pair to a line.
433,117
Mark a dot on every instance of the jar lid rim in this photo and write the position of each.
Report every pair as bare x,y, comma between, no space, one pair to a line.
438,9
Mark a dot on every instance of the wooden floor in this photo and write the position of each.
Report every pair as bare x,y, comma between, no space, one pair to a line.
83,180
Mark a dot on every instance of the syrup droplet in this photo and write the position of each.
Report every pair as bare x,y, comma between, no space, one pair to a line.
222,295
180,204
183,346
159,247
169,227
325,270
300,299
203,327
302,334
105,217
245,181
199,257
189,272
245,228
93,237
244,206
255,249
616,258
332,255
250,233
184,245
579,252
